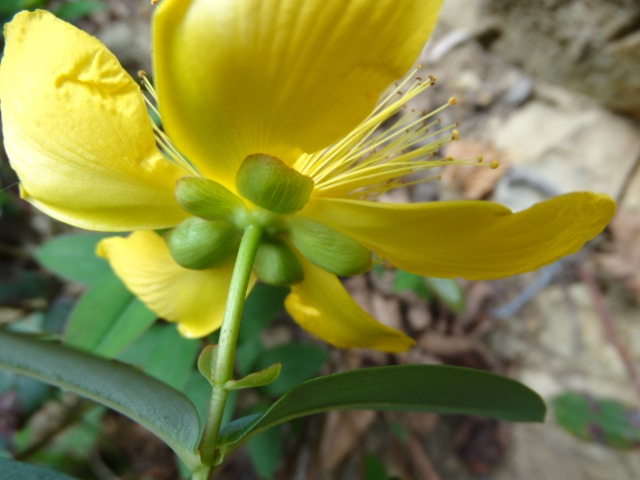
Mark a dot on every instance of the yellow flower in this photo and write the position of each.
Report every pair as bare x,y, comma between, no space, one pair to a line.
296,82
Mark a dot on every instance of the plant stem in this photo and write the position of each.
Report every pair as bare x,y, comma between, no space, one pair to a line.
225,358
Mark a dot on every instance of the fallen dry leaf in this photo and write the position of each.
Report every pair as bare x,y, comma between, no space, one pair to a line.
472,183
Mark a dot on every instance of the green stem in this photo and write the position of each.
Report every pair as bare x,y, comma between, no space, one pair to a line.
225,358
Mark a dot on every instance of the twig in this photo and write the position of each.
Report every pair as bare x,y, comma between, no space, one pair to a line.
544,278
72,416
420,460
609,325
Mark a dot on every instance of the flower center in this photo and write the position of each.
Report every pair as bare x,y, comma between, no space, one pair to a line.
376,157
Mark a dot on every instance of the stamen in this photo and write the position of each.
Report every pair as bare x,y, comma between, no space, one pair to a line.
370,160
166,146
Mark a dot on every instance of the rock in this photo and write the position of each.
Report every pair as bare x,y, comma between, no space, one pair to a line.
570,147
591,46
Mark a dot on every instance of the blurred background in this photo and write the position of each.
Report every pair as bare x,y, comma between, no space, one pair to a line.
550,89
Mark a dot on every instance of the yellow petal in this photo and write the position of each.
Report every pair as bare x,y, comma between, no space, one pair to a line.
474,240
77,132
195,299
322,306
238,77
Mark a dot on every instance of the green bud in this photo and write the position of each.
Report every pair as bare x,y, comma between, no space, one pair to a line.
205,198
198,244
273,185
276,264
328,248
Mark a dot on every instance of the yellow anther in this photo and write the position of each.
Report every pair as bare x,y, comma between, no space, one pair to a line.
452,101
141,74
432,80
480,159
455,134
494,164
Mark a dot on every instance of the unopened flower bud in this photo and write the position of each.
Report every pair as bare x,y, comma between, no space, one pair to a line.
199,244
276,264
273,185
328,248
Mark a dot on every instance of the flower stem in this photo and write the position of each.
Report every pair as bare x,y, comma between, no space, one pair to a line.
225,358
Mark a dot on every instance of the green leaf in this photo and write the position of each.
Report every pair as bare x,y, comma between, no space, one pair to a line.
247,354
164,354
161,409
107,318
264,303
600,420
374,468
12,470
448,291
419,388
403,281
10,7
255,379
76,9
207,362
73,257
300,361
70,448
265,452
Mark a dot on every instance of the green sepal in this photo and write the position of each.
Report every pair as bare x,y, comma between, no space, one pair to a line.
255,379
207,362
207,199
328,248
198,244
273,185
276,264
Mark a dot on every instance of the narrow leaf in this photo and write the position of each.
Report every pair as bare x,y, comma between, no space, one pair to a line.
161,409
73,257
207,362
107,318
265,452
12,470
419,388
448,291
255,379
599,420
164,354
300,362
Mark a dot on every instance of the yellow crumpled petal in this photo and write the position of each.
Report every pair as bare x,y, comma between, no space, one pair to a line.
77,132
322,306
238,77
470,239
195,299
